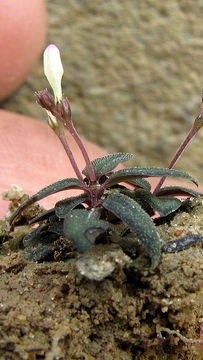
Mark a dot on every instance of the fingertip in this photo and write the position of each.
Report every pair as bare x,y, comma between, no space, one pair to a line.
23,28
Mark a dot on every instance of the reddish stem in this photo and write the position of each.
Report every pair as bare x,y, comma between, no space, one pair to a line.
62,137
66,122
79,142
178,153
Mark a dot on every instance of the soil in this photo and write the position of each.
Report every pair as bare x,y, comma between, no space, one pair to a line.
50,311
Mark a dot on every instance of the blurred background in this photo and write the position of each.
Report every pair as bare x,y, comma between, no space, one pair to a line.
133,75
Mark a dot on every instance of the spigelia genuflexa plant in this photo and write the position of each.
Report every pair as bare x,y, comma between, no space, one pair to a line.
87,219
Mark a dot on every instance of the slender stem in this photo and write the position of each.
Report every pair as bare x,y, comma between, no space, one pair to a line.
70,127
177,155
62,137
61,120
78,140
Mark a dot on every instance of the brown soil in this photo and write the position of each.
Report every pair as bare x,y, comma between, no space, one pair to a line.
49,311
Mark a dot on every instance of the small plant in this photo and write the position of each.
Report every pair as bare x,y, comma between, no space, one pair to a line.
88,219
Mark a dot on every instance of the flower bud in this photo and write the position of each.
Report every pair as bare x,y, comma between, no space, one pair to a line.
45,99
65,111
52,121
199,121
53,70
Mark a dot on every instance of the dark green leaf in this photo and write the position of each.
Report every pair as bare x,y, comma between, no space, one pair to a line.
55,225
83,226
177,191
40,242
41,247
135,173
107,163
141,183
64,206
131,213
43,216
164,205
57,228
60,185
32,237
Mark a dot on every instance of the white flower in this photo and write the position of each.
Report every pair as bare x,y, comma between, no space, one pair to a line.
53,69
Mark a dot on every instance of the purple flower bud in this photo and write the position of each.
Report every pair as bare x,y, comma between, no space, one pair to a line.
45,99
64,110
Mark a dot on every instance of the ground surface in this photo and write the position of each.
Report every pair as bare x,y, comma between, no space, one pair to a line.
49,311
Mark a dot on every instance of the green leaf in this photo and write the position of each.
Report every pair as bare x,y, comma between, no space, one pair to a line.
40,242
64,206
131,213
55,225
107,163
83,226
164,205
39,245
43,216
60,185
50,218
177,191
137,172
34,236
141,183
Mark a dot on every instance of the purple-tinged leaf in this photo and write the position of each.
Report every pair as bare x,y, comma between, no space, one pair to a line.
138,172
177,191
141,183
63,207
65,184
138,221
164,205
106,164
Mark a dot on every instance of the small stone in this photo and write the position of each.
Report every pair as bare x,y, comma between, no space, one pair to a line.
100,261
